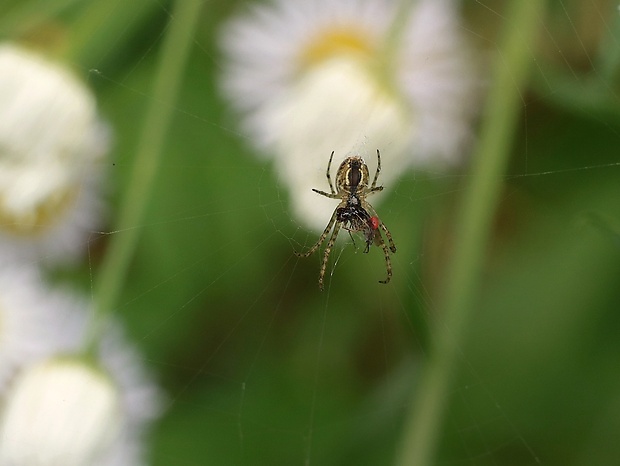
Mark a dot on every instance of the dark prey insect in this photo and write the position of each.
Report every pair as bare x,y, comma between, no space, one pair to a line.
353,213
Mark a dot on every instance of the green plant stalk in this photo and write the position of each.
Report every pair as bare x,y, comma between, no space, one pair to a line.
114,269
504,105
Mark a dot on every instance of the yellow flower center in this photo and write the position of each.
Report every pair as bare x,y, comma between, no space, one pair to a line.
38,219
336,42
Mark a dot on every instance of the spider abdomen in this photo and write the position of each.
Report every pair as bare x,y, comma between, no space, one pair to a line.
352,176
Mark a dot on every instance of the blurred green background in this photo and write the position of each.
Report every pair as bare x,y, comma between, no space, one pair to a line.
259,367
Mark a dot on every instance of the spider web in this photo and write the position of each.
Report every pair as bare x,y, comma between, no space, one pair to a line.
262,368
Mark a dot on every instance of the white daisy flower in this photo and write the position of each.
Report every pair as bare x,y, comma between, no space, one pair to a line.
314,76
59,411
51,146
46,383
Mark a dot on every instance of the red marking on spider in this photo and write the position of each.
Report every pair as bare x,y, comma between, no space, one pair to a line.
374,222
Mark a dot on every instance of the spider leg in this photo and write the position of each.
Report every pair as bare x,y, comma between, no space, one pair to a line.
328,250
372,210
379,240
329,178
331,196
376,189
321,239
352,239
388,261
389,236
374,182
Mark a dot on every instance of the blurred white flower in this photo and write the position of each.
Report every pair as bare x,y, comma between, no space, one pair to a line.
39,329
51,145
59,411
314,76
28,314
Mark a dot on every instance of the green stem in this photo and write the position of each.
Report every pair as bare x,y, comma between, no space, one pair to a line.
174,53
504,104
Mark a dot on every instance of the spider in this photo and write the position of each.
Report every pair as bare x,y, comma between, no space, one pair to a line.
353,213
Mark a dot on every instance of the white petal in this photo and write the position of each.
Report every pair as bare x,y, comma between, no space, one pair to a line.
51,147
60,411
